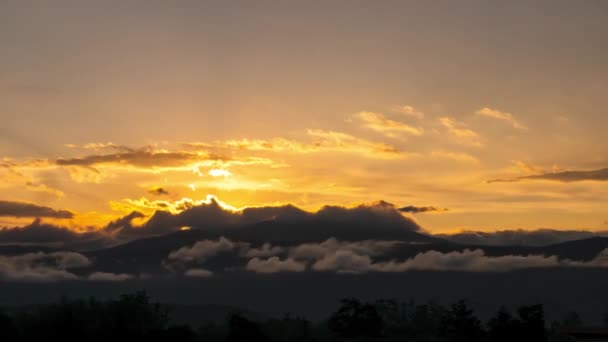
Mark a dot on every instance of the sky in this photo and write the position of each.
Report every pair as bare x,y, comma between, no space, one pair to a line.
478,115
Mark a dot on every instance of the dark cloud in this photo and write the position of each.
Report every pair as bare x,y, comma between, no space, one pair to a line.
417,210
24,209
158,191
43,234
380,220
540,237
565,176
140,158
284,224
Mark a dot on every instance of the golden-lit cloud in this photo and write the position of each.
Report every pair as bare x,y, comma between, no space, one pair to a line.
461,132
145,205
456,156
410,111
321,141
503,116
390,128
528,167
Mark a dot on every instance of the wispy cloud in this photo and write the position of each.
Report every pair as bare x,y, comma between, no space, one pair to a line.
503,116
390,128
564,176
417,210
322,141
461,132
409,111
456,156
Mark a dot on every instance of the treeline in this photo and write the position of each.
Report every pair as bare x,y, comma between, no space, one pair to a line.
135,317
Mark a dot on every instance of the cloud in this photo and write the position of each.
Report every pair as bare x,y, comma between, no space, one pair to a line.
267,250
202,250
540,237
390,128
41,267
258,225
275,265
146,157
11,174
379,220
344,261
410,111
101,146
503,116
105,276
456,156
563,176
322,141
417,210
24,209
42,234
460,131
198,273
468,261
527,167
311,251
158,191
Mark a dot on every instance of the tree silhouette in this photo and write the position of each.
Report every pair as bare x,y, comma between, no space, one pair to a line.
243,330
461,324
532,323
503,327
356,319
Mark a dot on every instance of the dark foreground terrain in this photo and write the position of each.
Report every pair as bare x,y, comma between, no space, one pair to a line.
136,317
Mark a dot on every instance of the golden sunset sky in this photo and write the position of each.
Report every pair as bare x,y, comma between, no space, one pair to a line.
492,113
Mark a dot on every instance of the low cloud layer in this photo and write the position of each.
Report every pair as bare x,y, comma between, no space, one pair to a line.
361,257
42,267
541,237
24,209
275,265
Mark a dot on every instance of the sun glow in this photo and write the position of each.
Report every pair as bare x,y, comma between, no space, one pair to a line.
219,173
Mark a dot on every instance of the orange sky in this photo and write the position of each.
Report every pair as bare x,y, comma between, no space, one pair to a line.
111,107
